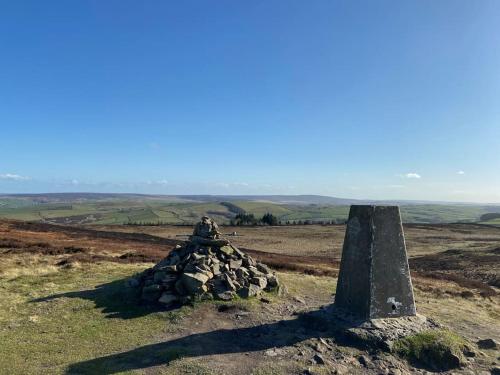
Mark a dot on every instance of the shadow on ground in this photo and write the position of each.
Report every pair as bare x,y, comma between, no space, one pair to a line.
224,341
115,300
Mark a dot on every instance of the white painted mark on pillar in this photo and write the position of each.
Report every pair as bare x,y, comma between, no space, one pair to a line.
395,305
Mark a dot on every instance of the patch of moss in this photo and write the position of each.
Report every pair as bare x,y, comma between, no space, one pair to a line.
438,350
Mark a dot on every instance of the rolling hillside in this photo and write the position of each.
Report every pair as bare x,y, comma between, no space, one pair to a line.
83,208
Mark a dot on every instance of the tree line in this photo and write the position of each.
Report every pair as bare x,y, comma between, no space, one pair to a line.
250,219
270,219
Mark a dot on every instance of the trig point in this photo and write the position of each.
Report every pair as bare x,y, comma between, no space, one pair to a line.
374,279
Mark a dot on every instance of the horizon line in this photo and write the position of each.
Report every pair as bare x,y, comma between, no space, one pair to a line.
415,201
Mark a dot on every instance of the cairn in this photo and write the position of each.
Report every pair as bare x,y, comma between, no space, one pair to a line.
206,266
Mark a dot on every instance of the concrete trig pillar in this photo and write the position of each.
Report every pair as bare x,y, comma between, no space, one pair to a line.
374,279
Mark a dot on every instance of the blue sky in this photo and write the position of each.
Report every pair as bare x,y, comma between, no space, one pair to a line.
362,99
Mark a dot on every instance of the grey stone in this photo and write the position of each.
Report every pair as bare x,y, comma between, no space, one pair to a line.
215,269
249,291
206,228
133,283
170,268
193,282
242,273
225,296
487,344
249,262
318,359
235,264
179,288
197,256
254,272
229,283
196,240
227,250
164,278
272,282
261,282
263,268
364,360
168,298
374,279
159,276
151,292
238,252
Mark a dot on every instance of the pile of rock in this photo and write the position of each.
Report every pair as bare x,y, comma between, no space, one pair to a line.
205,266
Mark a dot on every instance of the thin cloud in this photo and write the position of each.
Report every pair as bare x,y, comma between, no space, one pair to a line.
461,172
13,177
411,175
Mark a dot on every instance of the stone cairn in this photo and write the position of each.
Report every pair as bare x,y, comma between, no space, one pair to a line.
206,266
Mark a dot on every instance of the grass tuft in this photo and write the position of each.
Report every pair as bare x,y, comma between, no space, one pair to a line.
438,350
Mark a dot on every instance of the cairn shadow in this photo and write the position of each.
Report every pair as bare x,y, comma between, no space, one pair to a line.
115,300
313,324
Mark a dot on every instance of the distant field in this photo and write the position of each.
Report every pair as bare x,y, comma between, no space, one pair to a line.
492,222
136,210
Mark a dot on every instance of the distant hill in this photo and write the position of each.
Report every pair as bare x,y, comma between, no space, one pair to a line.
280,199
490,216
97,208
283,199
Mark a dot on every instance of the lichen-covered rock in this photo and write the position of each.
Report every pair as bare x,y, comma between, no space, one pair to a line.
193,282
206,265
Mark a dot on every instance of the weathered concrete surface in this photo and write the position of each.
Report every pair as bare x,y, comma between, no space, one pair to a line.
374,279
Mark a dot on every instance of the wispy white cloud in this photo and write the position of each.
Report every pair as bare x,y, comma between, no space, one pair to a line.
411,175
13,177
461,172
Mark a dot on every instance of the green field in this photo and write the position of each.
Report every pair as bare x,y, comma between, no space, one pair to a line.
137,210
495,222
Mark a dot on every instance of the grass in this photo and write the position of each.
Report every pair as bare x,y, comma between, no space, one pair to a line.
51,317
439,350
120,211
82,322
491,222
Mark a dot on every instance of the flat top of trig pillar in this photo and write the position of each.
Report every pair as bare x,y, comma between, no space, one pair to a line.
375,205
